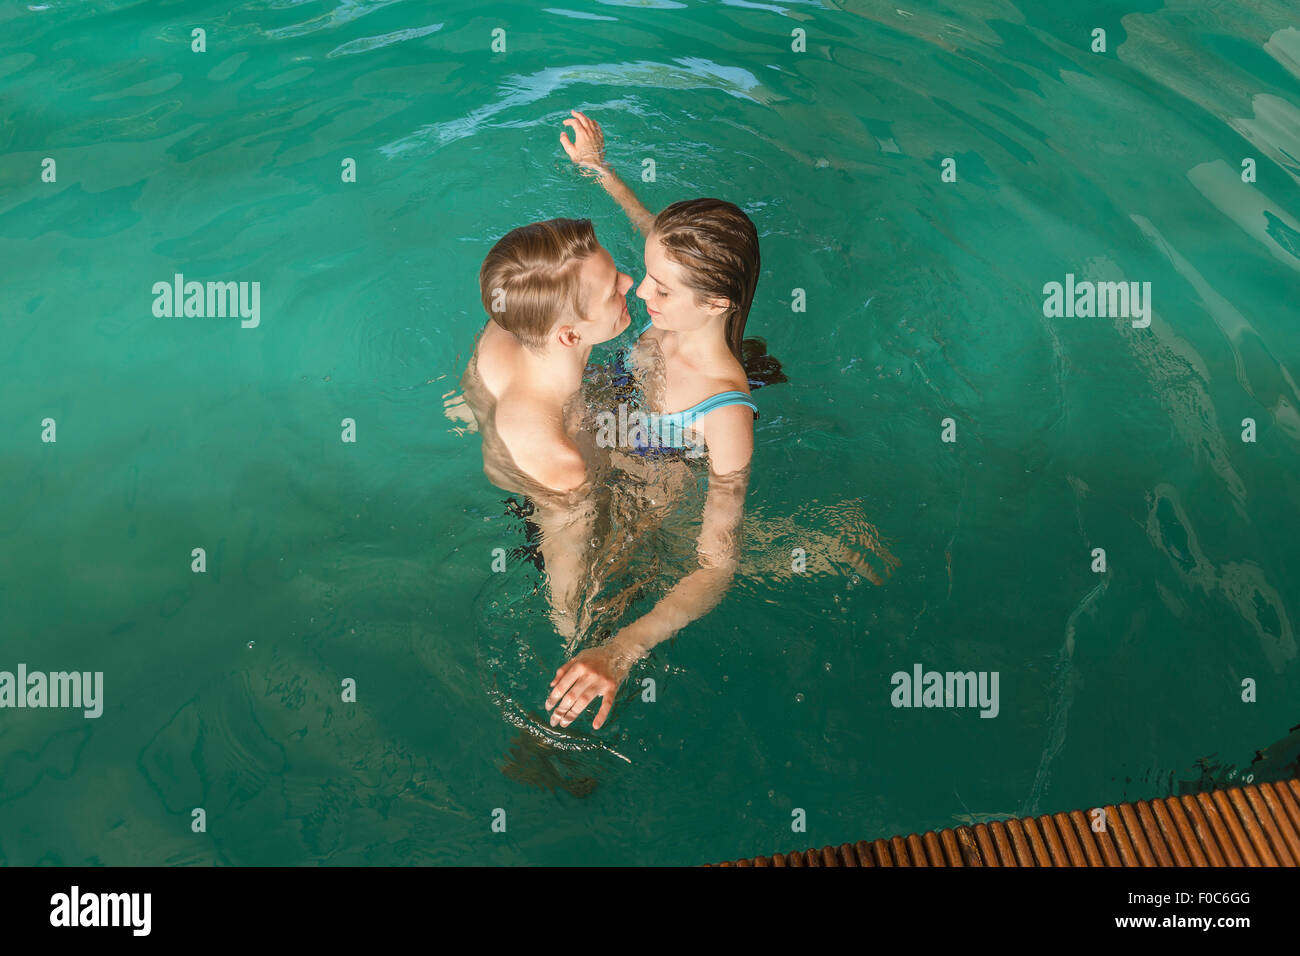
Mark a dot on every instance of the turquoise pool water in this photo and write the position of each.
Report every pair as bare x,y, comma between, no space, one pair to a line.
371,560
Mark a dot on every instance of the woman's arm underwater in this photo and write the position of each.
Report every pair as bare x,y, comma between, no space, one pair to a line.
599,671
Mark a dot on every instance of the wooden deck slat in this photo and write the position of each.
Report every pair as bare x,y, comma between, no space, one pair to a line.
984,840
882,853
1277,843
1252,825
1186,832
1209,838
1116,830
1037,845
1055,841
1020,843
1286,814
1102,844
1244,828
898,848
1132,823
968,847
916,850
1092,849
1002,843
952,854
1234,843
1169,834
1069,841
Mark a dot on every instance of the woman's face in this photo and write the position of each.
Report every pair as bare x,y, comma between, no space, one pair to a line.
672,306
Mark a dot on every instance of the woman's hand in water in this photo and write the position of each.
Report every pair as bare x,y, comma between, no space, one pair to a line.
588,147
596,672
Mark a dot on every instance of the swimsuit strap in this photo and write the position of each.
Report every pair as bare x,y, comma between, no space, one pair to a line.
712,403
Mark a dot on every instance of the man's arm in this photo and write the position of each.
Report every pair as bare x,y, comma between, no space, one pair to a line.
543,451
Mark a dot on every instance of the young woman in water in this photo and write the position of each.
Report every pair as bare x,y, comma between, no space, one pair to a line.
702,266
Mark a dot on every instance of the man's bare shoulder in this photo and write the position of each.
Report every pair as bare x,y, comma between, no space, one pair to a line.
497,357
537,441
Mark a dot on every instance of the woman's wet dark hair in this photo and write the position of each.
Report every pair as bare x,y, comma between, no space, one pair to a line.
716,245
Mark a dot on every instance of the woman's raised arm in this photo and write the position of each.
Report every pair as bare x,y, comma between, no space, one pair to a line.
588,151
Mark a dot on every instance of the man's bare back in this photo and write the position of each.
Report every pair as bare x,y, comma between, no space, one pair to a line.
528,417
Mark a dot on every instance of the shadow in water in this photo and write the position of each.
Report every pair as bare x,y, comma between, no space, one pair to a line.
535,763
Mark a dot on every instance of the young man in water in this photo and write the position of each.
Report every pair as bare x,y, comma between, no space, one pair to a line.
551,292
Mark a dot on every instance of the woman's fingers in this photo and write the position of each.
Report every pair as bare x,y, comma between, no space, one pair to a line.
581,131
571,674
606,704
589,124
575,701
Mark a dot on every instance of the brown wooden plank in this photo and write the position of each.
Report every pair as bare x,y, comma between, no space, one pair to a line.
1127,818
1224,832
952,855
1074,855
1292,803
1293,787
1102,841
1151,830
1037,845
1055,840
1249,824
968,847
1211,839
862,851
1232,823
1277,843
899,849
1020,843
1186,831
1092,848
883,853
916,850
933,851
1113,840
1002,840
1172,840
1287,814
984,840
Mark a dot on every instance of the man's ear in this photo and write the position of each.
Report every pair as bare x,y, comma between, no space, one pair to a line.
568,336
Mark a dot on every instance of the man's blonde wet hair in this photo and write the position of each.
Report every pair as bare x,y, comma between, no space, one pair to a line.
531,279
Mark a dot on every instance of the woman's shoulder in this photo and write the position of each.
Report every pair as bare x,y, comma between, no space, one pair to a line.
731,377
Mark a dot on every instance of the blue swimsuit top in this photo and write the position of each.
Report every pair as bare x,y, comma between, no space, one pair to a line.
669,429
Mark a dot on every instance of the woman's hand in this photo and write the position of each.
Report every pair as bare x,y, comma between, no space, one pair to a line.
588,147
596,672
